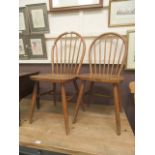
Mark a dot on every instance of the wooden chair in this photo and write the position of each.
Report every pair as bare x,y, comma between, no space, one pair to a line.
67,56
107,56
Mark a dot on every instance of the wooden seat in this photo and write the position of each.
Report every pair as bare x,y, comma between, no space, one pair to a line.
107,57
101,78
54,77
67,55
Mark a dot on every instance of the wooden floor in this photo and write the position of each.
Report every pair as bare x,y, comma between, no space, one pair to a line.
93,134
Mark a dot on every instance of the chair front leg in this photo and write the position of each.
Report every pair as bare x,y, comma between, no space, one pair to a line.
34,96
65,108
119,96
117,109
77,92
78,101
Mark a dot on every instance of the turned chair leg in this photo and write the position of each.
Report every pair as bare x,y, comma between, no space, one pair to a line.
54,93
119,94
34,95
65,108
78,101
117,109
77,92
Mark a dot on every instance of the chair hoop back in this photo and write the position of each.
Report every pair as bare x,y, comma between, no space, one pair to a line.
68,53
107,54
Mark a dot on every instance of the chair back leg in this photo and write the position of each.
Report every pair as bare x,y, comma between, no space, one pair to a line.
117,108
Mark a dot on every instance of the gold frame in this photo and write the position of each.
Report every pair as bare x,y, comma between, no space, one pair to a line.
78,7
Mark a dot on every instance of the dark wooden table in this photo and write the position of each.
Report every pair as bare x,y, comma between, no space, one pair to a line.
26,86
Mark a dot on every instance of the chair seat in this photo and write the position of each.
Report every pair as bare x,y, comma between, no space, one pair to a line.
101,78
54,77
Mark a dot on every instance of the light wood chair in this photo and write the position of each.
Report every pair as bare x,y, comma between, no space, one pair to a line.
107,56
67,55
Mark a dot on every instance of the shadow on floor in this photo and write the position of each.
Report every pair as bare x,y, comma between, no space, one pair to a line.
28,151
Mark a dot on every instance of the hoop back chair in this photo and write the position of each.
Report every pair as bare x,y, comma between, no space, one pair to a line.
67,55
107,56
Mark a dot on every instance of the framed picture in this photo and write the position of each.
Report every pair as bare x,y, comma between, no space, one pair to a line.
38,18
23,21
65,5
131,50
121,13
37,47
23,47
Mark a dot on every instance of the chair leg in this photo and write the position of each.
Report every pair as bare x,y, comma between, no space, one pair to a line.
38,95
78,101
54,93
117,112
34,95
119,94
77,92
65,108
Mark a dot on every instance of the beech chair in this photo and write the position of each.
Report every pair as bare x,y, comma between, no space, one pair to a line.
67,55
107,56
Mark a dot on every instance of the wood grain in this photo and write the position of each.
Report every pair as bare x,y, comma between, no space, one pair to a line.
93,134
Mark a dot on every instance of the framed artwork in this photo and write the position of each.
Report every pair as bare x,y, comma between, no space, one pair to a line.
65,5
38,18
37,47
121,13
131,50
23,47
23,21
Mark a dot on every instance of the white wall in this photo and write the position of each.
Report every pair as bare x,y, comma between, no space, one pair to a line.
89,23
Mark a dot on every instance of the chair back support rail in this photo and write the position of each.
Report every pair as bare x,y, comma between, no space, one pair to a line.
68,53
107,55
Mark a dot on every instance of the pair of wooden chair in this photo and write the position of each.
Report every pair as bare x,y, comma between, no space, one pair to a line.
107,56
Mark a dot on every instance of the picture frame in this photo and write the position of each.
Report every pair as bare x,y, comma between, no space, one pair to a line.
38,18
67,5
23,47
121,13
23,21
130,65
37,47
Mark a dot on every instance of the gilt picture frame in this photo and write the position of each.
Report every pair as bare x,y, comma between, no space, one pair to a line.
67,5
37,46
38,18
130,65
121,13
